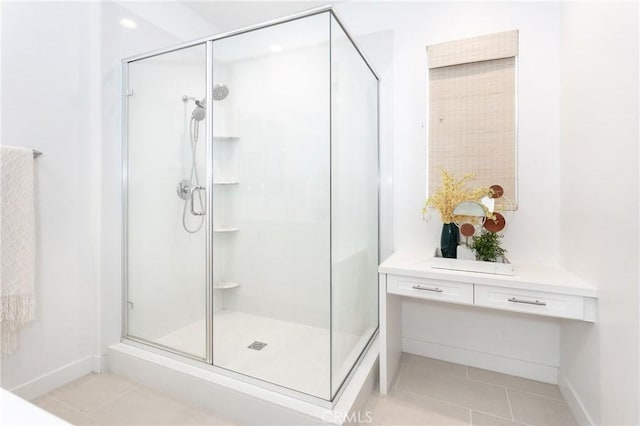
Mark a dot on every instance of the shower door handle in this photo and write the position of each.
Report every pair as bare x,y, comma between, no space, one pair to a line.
192,190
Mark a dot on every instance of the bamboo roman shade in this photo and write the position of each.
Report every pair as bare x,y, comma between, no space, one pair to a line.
472,110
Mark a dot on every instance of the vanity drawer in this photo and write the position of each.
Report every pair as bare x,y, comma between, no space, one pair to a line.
423,288
533,302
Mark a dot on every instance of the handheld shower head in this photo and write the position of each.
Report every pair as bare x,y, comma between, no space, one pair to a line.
220,92
199,112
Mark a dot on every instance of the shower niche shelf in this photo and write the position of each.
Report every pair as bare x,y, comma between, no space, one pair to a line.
225,160
223,285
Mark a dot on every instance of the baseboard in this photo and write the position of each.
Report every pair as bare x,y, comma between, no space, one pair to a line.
575,404
59,377
100,364
487,361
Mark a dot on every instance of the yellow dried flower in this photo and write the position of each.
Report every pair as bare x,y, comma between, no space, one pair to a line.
451,193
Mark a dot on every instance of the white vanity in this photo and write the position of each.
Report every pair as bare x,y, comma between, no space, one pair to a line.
537,289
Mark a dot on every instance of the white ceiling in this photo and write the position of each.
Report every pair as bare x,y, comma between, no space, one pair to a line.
289,36
231,15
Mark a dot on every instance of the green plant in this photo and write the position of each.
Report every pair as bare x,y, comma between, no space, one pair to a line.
487,246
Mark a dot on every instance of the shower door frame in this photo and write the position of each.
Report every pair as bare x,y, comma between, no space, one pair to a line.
207,362
126,93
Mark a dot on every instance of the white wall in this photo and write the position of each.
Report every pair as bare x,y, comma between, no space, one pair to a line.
47,103
599,207
532,235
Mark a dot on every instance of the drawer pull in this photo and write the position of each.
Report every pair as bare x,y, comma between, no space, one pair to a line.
528,302
434,289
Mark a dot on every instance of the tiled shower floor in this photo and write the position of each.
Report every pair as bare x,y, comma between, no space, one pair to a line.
426,392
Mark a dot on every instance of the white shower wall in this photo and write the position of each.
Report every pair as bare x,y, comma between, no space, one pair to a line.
280,255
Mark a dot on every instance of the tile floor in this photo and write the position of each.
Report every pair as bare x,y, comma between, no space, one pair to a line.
107,399
431,392
425,392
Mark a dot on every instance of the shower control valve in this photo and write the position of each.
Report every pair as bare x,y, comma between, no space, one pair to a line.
184,189
186,192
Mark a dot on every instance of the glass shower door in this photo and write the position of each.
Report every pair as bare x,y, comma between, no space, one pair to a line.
166,217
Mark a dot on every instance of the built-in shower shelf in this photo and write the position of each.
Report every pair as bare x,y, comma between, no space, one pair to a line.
226,138
226,182
221,285
226,229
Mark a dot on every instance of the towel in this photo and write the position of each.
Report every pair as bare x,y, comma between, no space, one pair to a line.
17,244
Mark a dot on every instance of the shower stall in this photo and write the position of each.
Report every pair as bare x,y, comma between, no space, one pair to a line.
250,177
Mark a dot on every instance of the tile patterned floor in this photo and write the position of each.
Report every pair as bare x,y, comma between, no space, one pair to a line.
107,399
431,392
425,392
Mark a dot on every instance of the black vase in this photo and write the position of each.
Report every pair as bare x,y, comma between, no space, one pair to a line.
449,240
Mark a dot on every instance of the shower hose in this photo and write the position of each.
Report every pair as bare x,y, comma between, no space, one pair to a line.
194,179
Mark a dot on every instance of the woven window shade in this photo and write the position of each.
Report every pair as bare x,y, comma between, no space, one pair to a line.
472,118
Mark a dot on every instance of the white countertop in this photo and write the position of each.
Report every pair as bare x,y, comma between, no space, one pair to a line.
17,411
529,276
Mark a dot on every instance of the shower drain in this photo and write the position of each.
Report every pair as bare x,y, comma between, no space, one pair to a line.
257,345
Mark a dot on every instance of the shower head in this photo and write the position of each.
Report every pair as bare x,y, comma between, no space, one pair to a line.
220,92
199,112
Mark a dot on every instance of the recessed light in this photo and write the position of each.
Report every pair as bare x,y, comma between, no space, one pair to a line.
276,48
128,23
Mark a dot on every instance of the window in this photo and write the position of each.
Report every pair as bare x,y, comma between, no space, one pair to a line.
472,111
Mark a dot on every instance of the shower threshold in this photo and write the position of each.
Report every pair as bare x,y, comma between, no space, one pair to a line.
238,399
